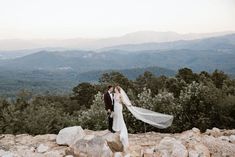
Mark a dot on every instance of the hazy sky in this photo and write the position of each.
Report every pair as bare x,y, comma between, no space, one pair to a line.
104,18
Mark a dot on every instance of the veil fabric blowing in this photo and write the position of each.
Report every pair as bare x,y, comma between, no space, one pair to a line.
155,119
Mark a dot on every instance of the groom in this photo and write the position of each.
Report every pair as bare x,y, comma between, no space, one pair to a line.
109,102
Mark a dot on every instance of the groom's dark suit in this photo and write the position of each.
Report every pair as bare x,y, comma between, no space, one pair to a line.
109,106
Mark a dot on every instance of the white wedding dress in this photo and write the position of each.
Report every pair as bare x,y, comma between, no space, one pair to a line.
118,120
156,119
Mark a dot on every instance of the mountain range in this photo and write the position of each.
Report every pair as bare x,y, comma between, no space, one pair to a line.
56,68
201,54
213,43
99,43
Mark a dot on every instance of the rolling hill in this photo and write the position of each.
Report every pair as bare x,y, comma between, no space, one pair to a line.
204,54
212,43
40,81
61,70
93,76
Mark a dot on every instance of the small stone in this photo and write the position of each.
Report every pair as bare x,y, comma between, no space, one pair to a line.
232,139
214,132
215,129
196,130
42,148
32,149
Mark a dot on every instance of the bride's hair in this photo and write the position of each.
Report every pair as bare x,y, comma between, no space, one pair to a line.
118,88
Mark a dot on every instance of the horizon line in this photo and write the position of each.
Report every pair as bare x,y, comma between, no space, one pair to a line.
117,36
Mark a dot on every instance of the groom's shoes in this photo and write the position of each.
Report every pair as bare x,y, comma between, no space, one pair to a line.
113,131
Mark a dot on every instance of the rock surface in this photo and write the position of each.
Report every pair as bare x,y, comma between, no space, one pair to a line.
76,142
169,146
70,135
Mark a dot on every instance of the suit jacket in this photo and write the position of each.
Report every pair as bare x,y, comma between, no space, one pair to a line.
108,102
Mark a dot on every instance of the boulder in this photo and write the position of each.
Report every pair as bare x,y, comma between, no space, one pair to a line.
169,147
103,144
196,149
95,147
114,143
69,136
217,147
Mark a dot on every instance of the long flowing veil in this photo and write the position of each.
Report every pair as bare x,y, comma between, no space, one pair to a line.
155,119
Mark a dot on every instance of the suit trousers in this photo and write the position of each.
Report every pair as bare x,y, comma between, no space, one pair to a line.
110,123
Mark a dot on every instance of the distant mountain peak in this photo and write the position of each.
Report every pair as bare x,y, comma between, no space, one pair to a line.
93,44
150,32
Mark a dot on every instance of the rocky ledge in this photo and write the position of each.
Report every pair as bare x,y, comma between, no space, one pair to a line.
76,142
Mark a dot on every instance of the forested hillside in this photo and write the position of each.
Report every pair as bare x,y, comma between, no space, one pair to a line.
61,81
202,100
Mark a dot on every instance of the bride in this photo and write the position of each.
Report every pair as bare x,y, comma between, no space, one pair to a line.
153,118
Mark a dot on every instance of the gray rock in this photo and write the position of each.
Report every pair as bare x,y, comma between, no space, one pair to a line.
196,130
114,143
95,147
69,136
169,147
189,143
214,132
217,147
42,148
7,154
232,139
196,149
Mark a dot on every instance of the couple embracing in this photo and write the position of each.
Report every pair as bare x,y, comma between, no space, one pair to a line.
114,100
